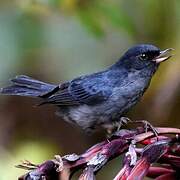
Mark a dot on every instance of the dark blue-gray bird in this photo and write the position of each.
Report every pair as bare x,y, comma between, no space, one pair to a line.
99,99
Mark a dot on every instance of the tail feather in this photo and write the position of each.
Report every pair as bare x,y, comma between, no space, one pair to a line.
27,86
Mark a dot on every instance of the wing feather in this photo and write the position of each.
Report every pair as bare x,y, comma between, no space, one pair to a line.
80,91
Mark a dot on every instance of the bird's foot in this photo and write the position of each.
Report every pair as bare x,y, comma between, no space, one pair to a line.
125,120
148,125
116,126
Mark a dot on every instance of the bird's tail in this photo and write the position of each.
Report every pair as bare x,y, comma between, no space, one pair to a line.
26,86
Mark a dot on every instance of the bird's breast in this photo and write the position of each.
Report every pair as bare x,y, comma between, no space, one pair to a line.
126,96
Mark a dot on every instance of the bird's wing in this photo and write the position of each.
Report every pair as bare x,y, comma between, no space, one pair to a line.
83,90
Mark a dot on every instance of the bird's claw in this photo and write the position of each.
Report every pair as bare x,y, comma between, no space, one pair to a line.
125,120
116,126
148,125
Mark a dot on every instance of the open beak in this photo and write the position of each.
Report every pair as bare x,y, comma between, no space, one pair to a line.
163,56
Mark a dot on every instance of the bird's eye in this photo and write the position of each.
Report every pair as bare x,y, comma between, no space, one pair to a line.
143,56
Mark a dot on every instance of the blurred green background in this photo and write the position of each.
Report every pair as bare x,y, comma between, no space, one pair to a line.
56,40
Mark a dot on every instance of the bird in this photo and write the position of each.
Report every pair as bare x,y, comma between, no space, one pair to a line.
97,100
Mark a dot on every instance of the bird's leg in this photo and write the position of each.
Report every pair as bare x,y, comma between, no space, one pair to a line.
124,121
147,125
121,122
116,125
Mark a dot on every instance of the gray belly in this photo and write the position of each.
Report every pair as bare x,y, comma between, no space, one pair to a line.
91,117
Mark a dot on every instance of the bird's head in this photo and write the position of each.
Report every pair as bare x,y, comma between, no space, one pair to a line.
144,56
